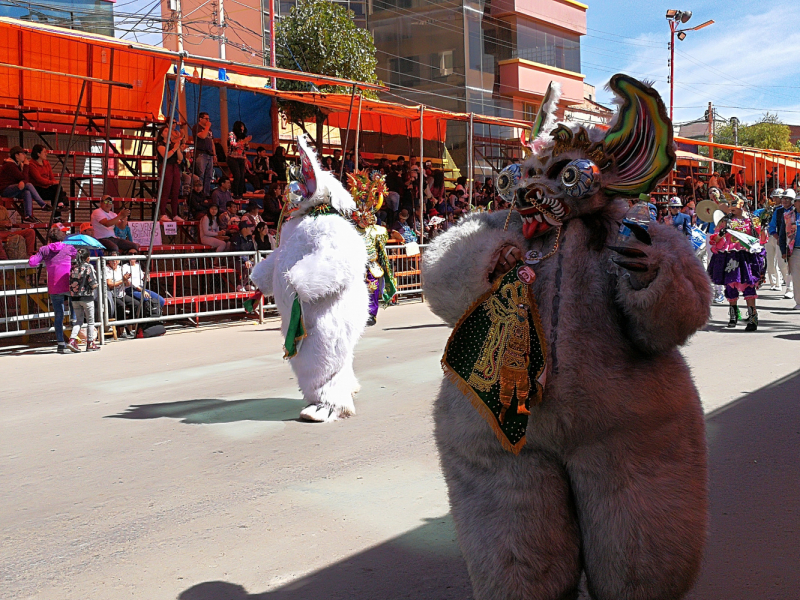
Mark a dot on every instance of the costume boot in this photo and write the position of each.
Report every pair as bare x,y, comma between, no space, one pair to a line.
734,314
752,319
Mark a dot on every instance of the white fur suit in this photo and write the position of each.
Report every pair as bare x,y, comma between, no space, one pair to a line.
320,260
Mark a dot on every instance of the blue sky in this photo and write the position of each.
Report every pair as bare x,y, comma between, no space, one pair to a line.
748,62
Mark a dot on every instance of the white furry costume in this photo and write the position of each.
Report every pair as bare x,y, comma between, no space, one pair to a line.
611,480
320,260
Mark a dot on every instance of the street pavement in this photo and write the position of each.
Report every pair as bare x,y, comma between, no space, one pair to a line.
174,468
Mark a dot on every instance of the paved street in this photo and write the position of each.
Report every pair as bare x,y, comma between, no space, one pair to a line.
172,468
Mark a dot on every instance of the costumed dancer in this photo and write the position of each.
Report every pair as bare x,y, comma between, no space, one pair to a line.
738,260
316,275
368,191
789,243
552,316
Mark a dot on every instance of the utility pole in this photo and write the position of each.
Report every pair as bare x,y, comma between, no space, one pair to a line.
223,91
272,39
711,131
181,88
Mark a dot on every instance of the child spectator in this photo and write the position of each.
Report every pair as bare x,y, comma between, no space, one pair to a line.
210,233
197,202
262,169
251,216
122,230
82,284
242,241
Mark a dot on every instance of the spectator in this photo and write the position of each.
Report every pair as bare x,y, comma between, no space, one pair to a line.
238,142
777,225
337,161
204,152
170,144
134,283
8,230
82,284
103,222
117,300
349,163
277,163
327,163
210,233
230,218
197,202
242,241
41,176
57,257
251,216
222,195
713,181
122,230
488,187
14,183
688,209
272,205
687,190
437,186
789,243
402,231
261,237
262,169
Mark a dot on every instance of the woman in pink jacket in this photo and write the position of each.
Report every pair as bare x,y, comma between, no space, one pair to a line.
57,258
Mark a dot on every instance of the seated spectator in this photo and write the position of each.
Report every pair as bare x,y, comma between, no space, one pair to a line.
402,231
40,174
118,302
197,202
327,164
262,170
7,230
122,230
277,163
210,233
222,195
272,204
14,183
57,258
133,275
349,163
103,222
229,220
687,190
261,237
336,162
242,241
252,215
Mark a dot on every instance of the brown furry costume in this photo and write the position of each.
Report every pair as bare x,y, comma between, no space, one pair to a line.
612,478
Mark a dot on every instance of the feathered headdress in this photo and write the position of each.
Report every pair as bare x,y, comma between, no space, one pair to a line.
368,190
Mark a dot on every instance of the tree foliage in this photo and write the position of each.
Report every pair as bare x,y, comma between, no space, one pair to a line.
319,36
768,132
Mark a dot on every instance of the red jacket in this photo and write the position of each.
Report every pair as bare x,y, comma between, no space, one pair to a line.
10,174
40,175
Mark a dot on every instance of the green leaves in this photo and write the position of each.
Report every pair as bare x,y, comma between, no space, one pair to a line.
319,36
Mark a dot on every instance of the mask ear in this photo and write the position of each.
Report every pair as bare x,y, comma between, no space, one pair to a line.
640,142
308,166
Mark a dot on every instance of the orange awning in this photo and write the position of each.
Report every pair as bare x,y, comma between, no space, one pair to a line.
758,164
77,53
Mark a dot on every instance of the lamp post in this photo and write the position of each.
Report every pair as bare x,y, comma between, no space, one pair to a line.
677,18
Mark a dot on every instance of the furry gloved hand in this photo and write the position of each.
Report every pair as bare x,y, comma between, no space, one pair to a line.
641,267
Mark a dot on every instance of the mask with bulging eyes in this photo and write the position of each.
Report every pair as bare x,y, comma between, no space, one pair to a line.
574,171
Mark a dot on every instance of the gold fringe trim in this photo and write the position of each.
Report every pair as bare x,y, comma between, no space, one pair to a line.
465,388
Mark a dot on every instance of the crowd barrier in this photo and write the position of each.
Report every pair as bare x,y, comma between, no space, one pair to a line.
186,287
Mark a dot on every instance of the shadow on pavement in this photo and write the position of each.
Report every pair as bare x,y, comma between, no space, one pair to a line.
209,411
754,447
425,326
424,563
754,450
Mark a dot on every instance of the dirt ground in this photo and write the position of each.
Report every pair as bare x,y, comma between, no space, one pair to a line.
173,468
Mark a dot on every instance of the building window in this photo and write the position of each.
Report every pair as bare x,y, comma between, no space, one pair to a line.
548,46
404,71
442,65
529,110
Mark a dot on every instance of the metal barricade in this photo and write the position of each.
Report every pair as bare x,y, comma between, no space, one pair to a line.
25,305
406,269
180,286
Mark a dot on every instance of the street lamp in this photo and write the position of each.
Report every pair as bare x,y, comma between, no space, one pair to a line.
677,18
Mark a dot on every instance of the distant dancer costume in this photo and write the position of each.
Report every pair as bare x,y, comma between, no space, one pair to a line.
570,432
368,191
738,262
317,278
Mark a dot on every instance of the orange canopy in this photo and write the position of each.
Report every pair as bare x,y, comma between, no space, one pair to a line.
77,53
759,165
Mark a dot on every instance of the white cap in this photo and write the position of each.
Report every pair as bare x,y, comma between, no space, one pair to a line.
777,193
789,194
675,201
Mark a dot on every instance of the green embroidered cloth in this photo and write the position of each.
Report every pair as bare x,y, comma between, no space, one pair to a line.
296,332
496,355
